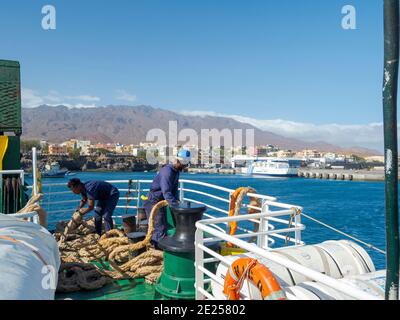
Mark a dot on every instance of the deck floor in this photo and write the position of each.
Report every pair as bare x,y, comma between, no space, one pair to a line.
128,289
136,289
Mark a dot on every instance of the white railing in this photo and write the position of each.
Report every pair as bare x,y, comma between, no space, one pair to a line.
207,226
267,229
31,216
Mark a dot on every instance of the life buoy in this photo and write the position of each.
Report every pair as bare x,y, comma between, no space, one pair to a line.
257,273
235,205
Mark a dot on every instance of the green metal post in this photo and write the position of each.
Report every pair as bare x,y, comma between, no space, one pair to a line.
390,81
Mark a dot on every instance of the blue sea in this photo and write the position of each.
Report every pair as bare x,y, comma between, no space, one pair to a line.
354,207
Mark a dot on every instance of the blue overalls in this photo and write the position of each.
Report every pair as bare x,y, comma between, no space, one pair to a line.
164,187
107,197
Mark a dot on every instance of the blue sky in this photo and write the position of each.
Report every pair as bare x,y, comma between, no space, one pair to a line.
267,59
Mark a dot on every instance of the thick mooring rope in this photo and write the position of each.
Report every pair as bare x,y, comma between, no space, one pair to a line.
80,276
80,245
33,205
251,208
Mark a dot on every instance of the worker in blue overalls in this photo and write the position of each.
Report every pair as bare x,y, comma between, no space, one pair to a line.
165,187
104,193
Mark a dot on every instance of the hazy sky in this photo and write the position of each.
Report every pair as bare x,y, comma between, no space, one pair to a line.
267,59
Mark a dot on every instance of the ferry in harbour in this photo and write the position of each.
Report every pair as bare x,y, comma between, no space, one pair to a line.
274,167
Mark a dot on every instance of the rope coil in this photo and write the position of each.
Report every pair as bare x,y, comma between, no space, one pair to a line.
80,246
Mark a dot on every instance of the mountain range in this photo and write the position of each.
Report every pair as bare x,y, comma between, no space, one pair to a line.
130,125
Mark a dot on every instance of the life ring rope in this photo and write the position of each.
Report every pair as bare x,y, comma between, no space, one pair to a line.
235,206
249,268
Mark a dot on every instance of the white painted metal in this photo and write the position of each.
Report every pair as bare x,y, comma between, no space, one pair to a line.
312,257
307,272
372,283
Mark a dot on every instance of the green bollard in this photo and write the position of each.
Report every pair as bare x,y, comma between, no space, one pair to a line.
178,278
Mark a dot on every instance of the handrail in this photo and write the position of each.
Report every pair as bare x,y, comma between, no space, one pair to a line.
21,215
202,226
267,201
11,171
255,195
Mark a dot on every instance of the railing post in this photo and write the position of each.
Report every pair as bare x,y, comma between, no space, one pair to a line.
263,239
199,263
34,172
35,219
139,193
391,70
181,192
297,222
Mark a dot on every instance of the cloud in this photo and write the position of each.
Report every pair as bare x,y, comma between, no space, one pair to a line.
32,99
125,96
87,98
53,97
79,106
368,135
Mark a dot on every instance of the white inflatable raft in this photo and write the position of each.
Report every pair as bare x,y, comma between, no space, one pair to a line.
29,261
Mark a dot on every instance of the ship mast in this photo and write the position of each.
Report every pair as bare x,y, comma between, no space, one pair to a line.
390,81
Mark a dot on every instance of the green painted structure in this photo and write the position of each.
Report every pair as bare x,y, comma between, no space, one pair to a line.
390,84
177,280
12,196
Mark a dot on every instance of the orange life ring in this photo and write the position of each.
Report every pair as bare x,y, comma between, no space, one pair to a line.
258,274
232,207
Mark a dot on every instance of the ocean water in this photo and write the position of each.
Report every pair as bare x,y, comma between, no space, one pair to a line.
354,207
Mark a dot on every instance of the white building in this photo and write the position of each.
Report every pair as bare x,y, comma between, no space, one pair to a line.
84,145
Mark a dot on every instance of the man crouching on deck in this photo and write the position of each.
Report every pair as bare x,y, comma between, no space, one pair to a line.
104,193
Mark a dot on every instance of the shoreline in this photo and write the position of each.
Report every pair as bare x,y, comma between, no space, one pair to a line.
305,173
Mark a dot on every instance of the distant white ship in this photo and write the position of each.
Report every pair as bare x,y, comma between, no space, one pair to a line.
275,167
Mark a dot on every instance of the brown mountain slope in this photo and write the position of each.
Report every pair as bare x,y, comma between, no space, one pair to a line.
128,125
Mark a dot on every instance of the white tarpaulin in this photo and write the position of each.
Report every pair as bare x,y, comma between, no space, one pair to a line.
29,261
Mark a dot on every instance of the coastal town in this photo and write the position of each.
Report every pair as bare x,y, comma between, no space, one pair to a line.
83,155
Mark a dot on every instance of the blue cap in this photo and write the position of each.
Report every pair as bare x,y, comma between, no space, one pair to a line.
184,156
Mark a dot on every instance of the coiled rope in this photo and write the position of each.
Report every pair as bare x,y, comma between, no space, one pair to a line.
33,206
81,246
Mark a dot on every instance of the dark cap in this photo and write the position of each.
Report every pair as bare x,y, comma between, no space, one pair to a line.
74,183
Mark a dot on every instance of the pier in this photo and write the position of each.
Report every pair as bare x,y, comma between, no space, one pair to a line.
341,174
327,174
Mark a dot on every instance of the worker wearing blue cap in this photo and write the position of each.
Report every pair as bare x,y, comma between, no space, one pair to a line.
165,187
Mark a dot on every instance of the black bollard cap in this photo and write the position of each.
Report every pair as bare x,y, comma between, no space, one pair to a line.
186,215
188,208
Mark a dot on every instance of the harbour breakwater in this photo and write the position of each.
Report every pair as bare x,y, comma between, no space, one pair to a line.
329,174
341,174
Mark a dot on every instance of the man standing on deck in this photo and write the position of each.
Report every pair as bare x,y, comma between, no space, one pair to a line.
104,193
165,187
